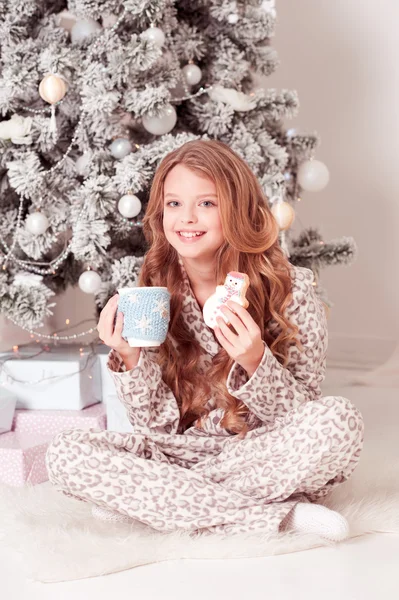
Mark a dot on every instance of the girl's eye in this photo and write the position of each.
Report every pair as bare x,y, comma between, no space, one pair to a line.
167,204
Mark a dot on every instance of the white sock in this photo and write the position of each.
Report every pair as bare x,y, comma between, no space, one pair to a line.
315,518
105,514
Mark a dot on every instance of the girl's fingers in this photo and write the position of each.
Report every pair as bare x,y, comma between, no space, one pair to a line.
234,320
111,317
224,328
119,326
106,323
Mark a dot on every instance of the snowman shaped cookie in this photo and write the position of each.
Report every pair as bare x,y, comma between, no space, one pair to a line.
234,288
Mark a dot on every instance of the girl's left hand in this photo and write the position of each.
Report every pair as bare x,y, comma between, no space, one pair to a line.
246,346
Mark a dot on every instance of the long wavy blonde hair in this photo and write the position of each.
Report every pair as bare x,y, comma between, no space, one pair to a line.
251,246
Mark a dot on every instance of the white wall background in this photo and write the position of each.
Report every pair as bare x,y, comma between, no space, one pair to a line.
341,58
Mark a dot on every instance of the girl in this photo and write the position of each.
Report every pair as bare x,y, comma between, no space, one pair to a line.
231,433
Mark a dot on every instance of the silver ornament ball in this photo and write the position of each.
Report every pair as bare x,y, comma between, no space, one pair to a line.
129,206
89,282
37,223
192,74
163,123
155,35
120,148
313,175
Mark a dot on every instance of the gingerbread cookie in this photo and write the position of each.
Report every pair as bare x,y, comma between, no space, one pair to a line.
234,288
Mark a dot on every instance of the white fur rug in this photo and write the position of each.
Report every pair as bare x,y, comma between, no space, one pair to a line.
56,538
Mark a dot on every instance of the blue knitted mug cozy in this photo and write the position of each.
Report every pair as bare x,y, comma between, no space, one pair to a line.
146,315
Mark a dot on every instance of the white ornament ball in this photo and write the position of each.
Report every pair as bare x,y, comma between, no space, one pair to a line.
84,29
158,125
129,206
120,148
233,18
192,74
154,34
313,175
284,214
82,164
89,282
36,223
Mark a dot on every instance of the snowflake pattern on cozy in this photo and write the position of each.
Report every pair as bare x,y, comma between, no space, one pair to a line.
299,448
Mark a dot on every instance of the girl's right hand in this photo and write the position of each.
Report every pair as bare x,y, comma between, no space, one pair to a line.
110,332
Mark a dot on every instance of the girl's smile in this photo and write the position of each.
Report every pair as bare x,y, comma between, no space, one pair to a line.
190,238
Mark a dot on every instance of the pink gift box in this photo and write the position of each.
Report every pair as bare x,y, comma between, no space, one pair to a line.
23,450
49,422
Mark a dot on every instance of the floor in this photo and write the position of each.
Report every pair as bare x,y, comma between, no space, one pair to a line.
362,568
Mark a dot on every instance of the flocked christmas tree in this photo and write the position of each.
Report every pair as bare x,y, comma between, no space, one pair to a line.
92,95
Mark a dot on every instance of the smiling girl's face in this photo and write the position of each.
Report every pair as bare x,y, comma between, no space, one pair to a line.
190,203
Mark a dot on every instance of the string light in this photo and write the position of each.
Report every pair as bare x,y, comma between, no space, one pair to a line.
11,379
54,335
42,110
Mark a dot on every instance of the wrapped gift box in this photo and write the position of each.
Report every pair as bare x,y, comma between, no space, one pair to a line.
107,383
22,458
50,422
7,408
75,379
23,450
116,415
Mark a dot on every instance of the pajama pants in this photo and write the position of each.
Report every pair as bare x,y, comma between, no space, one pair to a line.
207,484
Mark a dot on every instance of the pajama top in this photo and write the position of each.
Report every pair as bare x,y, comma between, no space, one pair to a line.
270,392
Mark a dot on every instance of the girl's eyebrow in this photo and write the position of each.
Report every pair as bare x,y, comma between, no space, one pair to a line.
199,195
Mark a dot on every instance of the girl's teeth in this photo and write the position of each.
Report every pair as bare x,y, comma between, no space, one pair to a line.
190,234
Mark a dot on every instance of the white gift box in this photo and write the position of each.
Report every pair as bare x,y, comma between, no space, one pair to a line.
7,409
116,413
74,384
107,383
